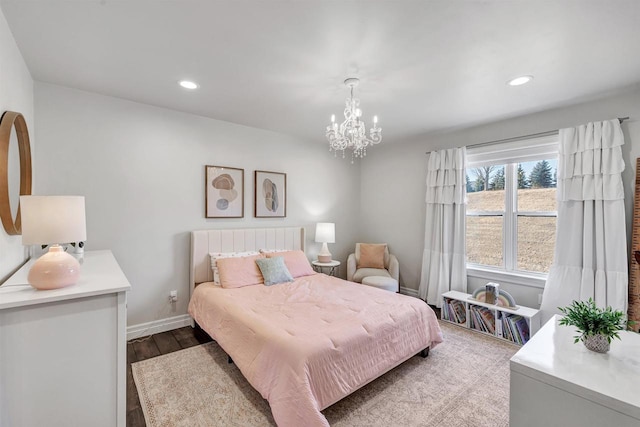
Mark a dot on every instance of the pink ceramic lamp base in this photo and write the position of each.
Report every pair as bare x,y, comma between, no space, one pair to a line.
53,270
324,255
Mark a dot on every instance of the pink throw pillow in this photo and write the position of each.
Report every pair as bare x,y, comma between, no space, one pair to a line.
296,262
371,255
239,272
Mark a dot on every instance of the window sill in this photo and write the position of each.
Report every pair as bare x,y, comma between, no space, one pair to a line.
533,281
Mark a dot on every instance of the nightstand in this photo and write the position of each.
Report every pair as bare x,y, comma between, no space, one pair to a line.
332,266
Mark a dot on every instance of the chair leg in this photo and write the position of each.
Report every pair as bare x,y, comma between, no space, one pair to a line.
424,353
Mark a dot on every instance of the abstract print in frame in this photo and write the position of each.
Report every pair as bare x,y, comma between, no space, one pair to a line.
224,192
270,194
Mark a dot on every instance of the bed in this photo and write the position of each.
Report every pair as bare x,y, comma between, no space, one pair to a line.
308,343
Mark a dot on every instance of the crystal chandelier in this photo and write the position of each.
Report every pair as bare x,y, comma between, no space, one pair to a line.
352,133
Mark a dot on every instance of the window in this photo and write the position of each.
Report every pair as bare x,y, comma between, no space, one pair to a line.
511,206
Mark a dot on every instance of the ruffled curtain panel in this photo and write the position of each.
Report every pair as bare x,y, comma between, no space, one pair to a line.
444,256
590,259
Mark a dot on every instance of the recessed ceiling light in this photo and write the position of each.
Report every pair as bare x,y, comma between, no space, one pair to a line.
520,80
188,84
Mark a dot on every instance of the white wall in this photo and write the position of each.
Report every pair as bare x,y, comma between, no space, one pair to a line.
16,94
141,169
393,176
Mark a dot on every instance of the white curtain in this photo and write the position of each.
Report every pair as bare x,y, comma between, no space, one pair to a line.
590,258
443,259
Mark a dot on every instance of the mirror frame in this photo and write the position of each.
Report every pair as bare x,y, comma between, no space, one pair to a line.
10,120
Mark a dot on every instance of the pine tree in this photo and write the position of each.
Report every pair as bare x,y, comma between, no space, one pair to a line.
523,182
470,188
541,176
478,184
497,183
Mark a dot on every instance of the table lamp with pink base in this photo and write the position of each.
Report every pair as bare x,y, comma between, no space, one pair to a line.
53,220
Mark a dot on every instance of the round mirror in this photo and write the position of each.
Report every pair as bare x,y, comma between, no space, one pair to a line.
13,173
15,169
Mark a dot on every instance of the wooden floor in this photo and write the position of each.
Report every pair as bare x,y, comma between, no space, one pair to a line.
156,345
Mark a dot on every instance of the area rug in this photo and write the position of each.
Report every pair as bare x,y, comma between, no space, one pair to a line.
463,382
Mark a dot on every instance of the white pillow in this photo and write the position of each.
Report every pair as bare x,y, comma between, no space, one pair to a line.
219,255
269,251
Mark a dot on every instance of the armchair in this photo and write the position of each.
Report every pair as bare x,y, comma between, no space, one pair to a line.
391,267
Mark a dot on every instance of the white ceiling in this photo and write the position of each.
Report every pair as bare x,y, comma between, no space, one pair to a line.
424,65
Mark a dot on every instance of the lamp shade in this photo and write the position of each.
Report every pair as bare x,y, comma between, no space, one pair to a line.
52,219
325,232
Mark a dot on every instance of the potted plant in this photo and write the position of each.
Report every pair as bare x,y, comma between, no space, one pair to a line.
597,326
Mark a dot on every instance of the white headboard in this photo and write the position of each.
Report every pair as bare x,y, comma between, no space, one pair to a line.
204,242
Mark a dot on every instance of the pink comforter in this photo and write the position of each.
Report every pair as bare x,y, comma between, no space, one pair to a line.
307,344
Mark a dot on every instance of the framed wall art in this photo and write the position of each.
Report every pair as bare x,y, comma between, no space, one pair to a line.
224,192
270,194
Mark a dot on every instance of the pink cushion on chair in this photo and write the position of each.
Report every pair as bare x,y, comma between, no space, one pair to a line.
296,262
371,255
239,272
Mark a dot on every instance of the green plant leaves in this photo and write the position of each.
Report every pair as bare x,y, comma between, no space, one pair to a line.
592,320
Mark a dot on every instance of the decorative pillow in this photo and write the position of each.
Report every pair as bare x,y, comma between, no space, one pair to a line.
371,255
219,255
274,270
239,272
269,251
296,262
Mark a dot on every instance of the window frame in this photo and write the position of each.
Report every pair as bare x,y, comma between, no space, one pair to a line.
509,155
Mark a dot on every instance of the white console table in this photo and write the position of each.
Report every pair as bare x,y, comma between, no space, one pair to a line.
555,382
63,351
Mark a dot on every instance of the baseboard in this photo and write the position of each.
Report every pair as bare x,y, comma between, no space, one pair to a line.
409,291
157,326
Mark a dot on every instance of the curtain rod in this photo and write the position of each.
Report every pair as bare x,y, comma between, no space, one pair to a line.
516,138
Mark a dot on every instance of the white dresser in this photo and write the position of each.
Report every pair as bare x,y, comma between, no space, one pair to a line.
63,352
555,382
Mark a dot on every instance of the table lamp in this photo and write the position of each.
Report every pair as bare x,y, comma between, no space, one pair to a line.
53,220
325,233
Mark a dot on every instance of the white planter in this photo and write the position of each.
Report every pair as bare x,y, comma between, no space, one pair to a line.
597,343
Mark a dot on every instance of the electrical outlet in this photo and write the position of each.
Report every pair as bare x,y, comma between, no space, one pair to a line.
173,296
539,299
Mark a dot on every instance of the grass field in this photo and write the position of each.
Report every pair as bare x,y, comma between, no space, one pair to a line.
536,235
534,199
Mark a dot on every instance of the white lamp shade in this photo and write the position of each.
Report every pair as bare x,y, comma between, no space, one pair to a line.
325,232
52,219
